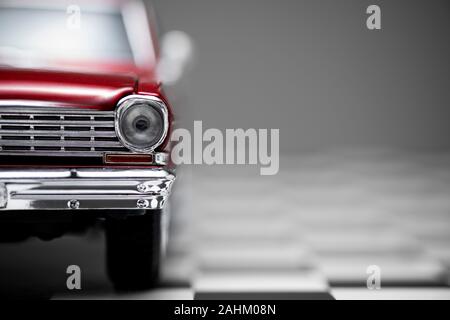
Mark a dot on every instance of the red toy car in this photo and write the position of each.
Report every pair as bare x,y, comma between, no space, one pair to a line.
84,125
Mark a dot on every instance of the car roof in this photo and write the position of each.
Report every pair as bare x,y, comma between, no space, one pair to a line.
107,5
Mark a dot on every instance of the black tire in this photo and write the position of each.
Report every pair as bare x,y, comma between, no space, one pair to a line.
133,250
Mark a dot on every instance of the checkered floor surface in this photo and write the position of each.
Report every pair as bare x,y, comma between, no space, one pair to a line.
309,232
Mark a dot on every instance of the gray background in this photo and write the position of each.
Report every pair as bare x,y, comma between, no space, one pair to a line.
313,69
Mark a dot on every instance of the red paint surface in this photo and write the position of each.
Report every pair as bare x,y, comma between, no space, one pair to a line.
100,91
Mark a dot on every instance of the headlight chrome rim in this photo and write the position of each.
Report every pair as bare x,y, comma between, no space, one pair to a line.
131,100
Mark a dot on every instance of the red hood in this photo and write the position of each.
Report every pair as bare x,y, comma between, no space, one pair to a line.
67,88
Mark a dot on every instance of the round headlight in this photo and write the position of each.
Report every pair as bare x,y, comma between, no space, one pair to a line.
141,123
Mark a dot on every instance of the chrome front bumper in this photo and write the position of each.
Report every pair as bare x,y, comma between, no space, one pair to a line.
84,188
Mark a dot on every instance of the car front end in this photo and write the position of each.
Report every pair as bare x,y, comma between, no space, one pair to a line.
85,128
128,174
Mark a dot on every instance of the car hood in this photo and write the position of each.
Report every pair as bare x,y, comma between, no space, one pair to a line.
101,91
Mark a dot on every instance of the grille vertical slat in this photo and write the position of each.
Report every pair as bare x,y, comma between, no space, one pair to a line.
57,131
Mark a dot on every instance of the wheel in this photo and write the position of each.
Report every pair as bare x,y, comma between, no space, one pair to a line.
134,249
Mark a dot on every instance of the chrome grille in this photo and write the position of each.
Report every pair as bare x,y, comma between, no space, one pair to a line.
57,131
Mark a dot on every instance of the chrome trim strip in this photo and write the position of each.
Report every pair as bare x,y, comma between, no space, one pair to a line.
59,122
83,173
62,143
159,158
154,102
28,106
54,153
81,134
90,188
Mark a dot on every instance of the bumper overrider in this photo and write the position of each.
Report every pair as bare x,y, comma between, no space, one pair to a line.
84,188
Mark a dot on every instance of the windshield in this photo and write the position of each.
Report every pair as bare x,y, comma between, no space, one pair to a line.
67,34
